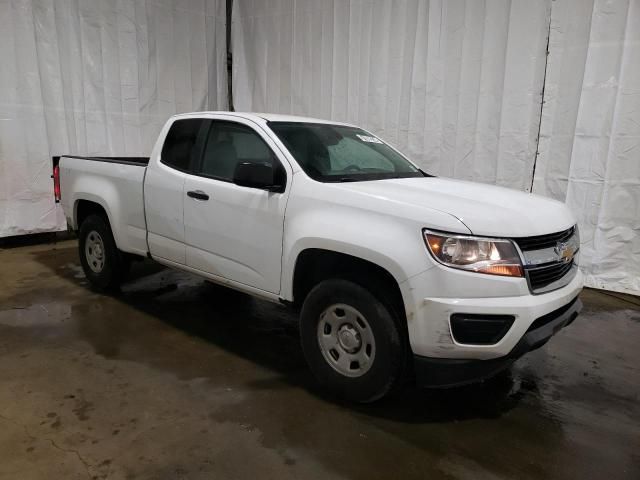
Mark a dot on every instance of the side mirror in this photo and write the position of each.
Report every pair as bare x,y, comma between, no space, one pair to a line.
256,175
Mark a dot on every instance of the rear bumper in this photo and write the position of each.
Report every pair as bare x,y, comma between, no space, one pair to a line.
447,372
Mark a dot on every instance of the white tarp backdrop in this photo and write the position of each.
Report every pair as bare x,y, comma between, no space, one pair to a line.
590,135
457,85
96,77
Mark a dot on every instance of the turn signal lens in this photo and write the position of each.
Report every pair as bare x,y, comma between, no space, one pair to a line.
506,270
475,254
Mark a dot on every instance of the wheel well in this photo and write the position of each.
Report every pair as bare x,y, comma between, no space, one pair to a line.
315,265
84,208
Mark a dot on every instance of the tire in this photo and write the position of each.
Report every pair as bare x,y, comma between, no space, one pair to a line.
368,355
95,235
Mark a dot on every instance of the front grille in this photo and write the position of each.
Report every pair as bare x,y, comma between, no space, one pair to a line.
543,241
540,277
543,263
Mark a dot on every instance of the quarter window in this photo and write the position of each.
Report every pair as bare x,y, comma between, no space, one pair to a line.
179,147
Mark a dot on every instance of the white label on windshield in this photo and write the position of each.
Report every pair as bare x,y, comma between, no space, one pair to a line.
368,139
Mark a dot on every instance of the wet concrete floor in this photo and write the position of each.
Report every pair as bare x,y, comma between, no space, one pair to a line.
177,378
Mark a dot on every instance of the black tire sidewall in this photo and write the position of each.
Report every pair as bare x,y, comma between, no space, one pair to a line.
389,356
111,273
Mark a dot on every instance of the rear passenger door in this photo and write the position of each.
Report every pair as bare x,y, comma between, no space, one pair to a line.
164,188
235,232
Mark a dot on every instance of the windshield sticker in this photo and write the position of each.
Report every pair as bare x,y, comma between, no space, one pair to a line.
368,139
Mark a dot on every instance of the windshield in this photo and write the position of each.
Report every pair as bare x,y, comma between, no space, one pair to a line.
334,153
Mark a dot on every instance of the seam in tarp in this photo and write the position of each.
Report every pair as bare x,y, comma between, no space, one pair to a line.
542,100
228,15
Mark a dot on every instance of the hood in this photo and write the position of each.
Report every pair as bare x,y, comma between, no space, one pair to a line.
484,209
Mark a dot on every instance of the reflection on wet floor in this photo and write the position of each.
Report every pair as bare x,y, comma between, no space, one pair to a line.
216,383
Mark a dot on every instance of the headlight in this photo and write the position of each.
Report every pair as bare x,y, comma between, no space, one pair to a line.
475,254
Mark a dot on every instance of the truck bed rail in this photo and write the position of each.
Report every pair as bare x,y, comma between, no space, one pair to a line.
138,161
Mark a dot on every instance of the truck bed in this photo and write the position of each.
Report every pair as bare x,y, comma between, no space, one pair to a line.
114,183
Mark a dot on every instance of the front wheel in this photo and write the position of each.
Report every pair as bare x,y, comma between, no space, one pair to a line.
104,265
351,341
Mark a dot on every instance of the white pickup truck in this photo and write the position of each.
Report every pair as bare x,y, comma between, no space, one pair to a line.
397,274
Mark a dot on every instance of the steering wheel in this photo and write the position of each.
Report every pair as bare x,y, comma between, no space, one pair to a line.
351,168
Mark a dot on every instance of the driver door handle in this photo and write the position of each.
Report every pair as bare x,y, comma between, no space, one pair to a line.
198,195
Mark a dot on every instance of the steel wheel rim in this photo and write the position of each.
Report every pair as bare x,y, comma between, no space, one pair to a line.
346,340
94,251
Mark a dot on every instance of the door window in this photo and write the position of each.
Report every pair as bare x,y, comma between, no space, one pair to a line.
230,144
179,150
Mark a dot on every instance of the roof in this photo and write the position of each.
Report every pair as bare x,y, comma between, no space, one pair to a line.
276,117
270,117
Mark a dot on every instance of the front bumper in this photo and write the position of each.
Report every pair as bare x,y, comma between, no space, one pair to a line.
442,360
446,372
428,318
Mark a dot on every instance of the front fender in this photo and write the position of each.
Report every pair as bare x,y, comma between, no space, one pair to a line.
391,244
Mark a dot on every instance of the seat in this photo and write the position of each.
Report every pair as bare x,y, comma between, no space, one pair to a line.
220,160
309,152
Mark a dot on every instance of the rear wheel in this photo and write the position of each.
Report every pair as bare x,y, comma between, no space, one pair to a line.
351,341
104,265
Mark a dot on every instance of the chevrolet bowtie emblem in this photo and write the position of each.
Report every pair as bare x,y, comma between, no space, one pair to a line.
564,251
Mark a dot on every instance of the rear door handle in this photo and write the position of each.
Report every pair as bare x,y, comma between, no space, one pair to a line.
198,195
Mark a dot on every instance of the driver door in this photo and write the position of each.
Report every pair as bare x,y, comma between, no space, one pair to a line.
234,232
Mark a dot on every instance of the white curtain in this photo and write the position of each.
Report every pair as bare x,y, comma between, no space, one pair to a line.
590,133
458,86
455,84
96,77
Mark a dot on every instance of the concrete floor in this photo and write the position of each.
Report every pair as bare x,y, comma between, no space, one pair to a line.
176,378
